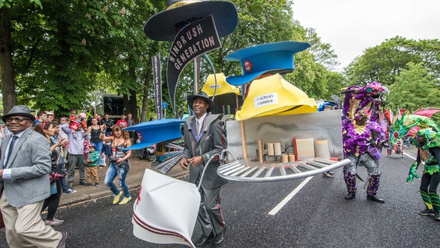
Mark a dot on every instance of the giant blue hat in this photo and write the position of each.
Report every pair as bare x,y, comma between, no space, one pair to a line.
156,131
266,58
165,25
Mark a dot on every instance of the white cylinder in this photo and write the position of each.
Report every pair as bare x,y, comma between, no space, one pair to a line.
270,149
277,148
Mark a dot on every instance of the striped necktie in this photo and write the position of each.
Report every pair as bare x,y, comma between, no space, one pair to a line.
197,127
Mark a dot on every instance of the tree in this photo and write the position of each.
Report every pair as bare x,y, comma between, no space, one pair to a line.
7,79
385,62
414,88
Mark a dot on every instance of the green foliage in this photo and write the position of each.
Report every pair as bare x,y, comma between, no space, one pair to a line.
414,88
385,62
63,50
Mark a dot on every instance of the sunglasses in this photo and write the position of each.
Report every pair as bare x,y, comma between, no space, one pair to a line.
17,119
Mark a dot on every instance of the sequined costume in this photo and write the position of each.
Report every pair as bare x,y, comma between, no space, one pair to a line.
363,136
428,143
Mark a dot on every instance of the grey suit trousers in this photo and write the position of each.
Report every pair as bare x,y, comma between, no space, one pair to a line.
210,216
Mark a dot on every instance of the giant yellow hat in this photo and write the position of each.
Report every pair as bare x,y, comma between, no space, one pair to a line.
273,95
222,86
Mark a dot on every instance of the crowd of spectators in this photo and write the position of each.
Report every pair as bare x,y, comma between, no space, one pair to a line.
85,143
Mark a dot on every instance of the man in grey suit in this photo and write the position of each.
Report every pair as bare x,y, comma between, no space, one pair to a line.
24,168
204,136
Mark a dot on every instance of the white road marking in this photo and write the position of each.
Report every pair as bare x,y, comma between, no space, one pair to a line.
406,154
280,205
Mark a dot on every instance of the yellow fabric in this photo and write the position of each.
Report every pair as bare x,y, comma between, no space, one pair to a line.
273,95
181,3
222,86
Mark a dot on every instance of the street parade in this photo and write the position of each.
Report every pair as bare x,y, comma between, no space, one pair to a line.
239,133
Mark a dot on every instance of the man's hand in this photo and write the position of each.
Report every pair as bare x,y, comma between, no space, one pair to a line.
184,163
1,173
195,161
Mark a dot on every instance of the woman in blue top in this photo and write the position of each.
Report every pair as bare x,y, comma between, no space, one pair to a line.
119,164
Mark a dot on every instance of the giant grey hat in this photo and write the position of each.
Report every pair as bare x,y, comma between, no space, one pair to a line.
165,25
202,95
19,110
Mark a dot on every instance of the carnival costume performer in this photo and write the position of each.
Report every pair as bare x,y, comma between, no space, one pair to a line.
362,146
363,137
428,143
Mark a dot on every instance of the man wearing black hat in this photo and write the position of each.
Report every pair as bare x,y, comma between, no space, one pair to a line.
24,168
204,138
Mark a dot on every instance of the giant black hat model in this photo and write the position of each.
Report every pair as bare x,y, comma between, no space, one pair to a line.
164,25
202,95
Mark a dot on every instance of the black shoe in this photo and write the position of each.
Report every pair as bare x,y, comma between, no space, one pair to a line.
436,215
350,196
96,184
426,212
89,185
219,238
375,199
82,183
202,241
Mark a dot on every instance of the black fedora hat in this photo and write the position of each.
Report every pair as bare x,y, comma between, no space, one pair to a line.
202,95
19,110
164,25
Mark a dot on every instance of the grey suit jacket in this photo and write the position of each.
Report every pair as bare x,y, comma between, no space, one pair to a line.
212,141
30,165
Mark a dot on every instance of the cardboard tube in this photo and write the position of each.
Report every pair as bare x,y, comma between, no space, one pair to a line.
260,151
291,158
243,142
277,148
270,151
284,158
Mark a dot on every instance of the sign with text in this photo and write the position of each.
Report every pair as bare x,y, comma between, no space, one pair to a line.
193,40
157,82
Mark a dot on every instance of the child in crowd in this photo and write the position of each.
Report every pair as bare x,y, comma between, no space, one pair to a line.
92,166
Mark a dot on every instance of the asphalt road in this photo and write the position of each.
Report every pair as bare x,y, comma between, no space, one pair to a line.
317,216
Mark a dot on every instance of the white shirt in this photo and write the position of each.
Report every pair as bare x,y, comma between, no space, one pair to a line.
200,121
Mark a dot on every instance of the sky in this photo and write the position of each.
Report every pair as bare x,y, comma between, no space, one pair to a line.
352,26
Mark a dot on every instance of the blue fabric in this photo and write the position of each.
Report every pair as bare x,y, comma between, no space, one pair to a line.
270,58
53,188
156,131
98,148
121,172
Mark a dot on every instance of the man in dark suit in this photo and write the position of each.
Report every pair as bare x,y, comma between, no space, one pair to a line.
204,136
24,168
